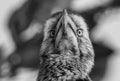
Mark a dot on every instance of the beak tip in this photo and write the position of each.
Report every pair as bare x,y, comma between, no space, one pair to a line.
65,12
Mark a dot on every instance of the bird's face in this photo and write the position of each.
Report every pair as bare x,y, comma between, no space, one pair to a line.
65,49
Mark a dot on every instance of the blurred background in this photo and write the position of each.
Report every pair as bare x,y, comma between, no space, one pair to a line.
21,25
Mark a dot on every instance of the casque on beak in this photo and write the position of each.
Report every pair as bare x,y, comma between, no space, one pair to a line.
65,19
61,27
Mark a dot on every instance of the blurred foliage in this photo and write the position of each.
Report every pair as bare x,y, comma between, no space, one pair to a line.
27,53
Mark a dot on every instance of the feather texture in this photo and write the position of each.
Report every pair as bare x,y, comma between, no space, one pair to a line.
66,52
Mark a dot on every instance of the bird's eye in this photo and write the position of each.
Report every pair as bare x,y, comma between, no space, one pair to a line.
79,32
52,33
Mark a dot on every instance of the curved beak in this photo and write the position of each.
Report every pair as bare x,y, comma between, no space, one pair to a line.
61,27
65,18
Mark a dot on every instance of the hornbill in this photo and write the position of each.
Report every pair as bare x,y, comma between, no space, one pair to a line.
66,52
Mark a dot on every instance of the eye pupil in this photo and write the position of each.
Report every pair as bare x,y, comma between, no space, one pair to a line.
79,32
52,33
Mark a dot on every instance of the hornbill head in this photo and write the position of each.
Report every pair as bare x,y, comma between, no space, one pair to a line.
66,52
